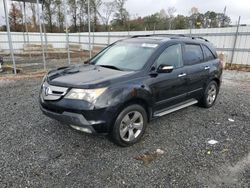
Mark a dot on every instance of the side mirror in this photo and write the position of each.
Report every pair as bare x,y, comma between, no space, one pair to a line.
165,69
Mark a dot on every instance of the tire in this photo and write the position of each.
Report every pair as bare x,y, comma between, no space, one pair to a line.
210,95
129,126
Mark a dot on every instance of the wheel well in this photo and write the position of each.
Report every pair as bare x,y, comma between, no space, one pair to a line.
140,102
217,81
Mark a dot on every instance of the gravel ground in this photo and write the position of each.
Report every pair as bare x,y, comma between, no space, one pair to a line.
36,151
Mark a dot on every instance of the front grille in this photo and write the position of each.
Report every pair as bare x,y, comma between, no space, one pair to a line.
57,92
50,92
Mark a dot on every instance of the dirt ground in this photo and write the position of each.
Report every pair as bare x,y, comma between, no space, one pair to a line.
37,151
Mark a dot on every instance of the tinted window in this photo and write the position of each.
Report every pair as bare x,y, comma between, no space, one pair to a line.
171,56
208,54
193,54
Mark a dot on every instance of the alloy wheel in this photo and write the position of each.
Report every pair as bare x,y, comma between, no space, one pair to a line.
211,94
131,126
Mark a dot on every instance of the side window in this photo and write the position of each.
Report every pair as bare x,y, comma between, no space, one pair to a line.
172,55
208,54
193,54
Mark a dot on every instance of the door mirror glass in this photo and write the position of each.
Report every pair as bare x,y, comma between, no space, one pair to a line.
165,68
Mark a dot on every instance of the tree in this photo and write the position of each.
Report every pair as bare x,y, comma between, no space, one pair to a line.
73,11
152,21
49,12
107,9
210,19
121,16
137,24
224,20
180,22
101,14
95,6
213,19
59,15
32,7
21,8
3,28
15,17
199,22
193,18
171,11
83,9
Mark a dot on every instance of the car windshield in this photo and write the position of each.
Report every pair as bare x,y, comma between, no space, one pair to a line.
125,56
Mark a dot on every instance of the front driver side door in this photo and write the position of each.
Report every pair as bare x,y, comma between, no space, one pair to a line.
169,88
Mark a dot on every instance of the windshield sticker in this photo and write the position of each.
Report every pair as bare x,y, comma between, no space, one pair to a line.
147,45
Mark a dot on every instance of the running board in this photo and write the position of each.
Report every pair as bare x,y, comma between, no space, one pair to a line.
175,108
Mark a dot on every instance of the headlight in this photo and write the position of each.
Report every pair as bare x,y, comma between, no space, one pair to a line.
89,95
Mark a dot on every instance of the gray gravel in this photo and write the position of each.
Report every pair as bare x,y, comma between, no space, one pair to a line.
36,151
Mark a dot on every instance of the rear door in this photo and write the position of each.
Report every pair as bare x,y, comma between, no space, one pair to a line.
197,68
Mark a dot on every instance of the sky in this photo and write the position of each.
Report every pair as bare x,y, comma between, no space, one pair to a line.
235,8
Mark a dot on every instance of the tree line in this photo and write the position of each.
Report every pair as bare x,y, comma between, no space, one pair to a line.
108,16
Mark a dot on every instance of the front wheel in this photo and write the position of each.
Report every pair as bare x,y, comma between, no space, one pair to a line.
210,95
129,126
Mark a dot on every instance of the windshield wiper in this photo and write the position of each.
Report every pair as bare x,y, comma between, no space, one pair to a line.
111,67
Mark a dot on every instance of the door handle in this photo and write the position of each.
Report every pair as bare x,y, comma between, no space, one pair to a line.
182,75
207,67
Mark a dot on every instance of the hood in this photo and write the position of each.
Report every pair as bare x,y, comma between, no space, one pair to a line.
85,76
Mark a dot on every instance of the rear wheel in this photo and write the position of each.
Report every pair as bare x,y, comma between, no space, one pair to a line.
129,126
210,95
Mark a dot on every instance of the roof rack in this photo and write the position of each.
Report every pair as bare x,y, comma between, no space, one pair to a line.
200,38
136,36
151,35
170,35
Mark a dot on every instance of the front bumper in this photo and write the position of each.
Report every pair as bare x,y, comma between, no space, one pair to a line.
79,114
73,119
68,112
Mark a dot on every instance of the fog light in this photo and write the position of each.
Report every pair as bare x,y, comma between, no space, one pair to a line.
82,129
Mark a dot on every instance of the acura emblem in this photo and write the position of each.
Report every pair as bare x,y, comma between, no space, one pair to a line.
47,91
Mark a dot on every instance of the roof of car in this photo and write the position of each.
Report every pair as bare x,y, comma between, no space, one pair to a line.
162,38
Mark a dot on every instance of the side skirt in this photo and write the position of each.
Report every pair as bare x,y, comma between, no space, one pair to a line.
174,108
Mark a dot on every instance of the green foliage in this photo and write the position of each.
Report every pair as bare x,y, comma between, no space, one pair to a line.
121,16
180,22
209,20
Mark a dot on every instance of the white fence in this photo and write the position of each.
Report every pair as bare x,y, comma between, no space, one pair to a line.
227,40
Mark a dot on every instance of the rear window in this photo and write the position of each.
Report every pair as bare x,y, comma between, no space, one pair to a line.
208,54
193,54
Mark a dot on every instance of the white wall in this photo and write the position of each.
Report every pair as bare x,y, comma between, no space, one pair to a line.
222,38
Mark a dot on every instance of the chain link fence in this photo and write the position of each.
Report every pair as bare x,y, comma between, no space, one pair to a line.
233,46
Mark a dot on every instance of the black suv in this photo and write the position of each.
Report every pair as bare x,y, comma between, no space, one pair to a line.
132,82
